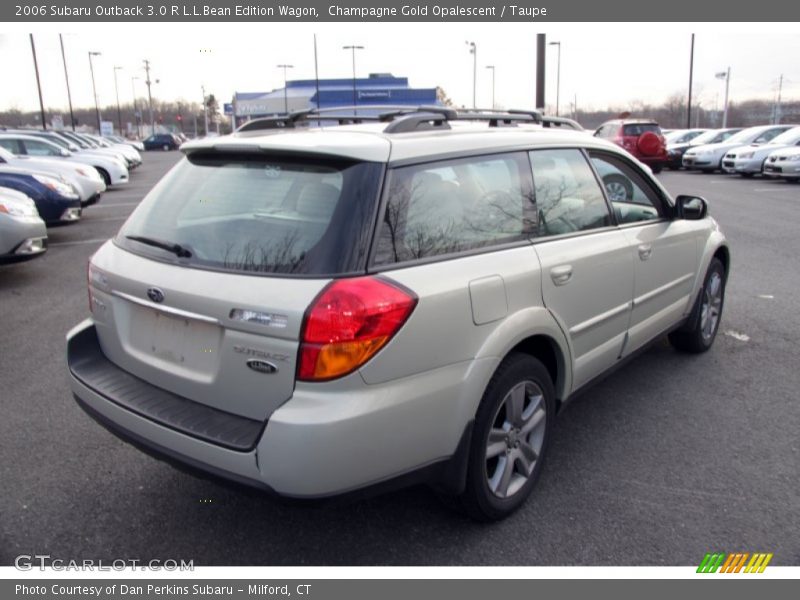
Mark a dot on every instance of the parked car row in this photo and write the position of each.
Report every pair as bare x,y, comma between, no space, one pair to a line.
48,177
769,150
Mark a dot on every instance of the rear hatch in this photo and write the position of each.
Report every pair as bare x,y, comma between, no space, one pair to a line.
203,291
643,139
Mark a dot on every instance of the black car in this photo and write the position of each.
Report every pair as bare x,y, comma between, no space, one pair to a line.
162,141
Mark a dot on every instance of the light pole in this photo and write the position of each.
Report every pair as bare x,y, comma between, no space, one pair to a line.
66,77
473,49
353,48
116,90
493,72
135,109
94,89
149,96
726,75
285,92
558,75
205,111
691,76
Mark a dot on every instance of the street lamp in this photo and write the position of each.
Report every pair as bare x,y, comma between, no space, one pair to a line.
135,109
473,49
116,90
353,49
726,75
285,93
94,88
558,76
492,68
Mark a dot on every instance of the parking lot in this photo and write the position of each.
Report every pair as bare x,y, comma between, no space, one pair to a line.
667,459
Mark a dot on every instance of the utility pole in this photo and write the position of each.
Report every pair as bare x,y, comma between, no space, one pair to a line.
94,90
119,111
541,50
149,96
38,83
205,111
691,73
66,77
135,109
726,75
778,105
493,72
558,76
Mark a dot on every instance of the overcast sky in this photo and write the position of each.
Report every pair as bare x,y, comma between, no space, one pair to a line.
602,64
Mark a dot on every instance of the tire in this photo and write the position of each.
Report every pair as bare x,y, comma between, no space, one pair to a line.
746,175
518,410
618,188
104,174
656,169
703,323
166,147
649,144
707,171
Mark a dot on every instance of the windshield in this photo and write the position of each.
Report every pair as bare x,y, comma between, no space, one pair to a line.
787,138
745,136
706,137
260,214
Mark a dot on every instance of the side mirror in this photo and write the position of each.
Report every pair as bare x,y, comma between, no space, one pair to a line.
691,208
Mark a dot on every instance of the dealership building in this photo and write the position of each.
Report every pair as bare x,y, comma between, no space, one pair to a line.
301,94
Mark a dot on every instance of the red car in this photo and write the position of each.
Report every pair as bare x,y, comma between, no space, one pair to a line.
640,137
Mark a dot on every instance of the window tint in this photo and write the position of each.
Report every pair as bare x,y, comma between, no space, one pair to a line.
36,148
446,207
640,128
568,197
256,214
11,145
631,197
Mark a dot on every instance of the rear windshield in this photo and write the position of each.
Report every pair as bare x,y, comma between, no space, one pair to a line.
640,128
259,214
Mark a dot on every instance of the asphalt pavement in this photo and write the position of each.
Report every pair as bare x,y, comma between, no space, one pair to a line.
667,459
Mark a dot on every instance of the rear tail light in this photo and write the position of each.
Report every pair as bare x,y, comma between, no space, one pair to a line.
348,323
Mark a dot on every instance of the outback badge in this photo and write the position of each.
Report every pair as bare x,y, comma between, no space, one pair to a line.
261,366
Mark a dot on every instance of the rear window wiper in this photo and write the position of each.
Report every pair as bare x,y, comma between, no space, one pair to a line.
176,249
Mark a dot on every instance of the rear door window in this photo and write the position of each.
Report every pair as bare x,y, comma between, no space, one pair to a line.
261,215
453,206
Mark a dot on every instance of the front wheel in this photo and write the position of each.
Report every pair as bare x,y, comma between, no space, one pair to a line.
701,328
510,438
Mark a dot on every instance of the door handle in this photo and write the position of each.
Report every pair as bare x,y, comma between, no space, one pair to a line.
645,250
561,275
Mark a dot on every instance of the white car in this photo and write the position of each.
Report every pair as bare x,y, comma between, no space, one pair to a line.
749,160
708,158
113,171
783,163
129,152
85,178
121,140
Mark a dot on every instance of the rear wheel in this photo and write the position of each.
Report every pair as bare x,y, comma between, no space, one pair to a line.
701,328
512,430
657,168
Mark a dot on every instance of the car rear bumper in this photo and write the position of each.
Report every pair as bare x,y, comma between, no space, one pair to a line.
318,444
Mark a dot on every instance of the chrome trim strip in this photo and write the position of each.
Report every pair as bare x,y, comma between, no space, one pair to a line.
609,314
653,293
166,309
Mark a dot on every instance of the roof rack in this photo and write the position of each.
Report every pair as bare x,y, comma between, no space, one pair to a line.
405,119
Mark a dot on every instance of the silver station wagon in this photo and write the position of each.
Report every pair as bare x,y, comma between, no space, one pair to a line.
321,304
